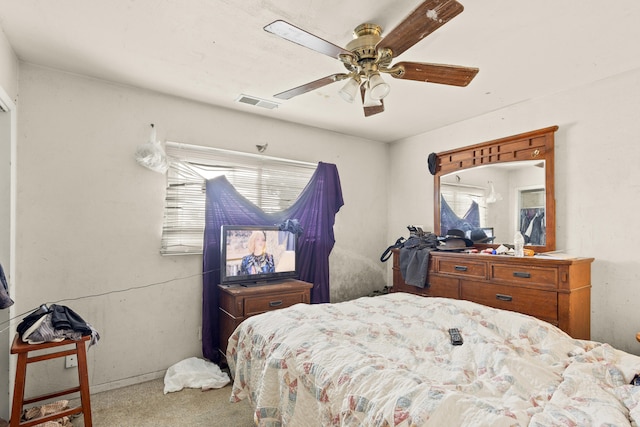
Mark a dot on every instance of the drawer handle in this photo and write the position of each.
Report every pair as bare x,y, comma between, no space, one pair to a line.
522,275
275,303
460,268
503,297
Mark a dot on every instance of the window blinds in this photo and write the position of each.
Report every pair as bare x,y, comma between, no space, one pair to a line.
271,183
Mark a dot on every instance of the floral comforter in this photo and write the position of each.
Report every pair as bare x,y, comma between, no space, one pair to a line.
388,361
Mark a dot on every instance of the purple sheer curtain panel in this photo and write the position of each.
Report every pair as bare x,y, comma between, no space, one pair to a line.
315,209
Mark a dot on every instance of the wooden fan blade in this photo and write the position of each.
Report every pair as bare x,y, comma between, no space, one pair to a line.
370,110
303,38
428,17
454,75
308,87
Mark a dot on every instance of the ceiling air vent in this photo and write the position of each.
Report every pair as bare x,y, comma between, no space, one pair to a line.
252,100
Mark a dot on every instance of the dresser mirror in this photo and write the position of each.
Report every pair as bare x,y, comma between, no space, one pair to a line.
493,189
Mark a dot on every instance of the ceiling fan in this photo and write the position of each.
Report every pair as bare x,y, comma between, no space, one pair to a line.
370,54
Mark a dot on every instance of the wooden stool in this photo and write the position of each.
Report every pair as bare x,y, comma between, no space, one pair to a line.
22,349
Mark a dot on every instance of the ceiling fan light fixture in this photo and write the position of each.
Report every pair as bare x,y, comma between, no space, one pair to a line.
349,90
378,89
367,101
369,54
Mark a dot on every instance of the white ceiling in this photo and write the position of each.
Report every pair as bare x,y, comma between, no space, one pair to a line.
214,50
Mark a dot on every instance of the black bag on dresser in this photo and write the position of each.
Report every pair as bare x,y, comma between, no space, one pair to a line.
414,255
387,252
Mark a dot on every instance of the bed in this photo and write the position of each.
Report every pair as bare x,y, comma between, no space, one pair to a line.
388,361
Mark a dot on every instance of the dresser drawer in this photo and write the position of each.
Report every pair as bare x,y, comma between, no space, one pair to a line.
440,286
539,303
260,304
461,267
522,274
437,286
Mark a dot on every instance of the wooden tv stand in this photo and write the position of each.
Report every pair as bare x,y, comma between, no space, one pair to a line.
237,302
555,290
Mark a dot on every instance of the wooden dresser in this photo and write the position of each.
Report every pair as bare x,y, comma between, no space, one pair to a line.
555,290
238,302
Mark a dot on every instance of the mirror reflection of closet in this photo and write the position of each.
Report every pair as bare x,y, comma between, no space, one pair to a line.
499,186
531,215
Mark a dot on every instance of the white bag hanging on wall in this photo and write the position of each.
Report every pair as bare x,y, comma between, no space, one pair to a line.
151,155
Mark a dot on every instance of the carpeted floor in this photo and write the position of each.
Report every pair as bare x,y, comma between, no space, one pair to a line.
145,405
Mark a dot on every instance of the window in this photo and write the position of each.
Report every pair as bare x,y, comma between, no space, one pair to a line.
532,198
271,183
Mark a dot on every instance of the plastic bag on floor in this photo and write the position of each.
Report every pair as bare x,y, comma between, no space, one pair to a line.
194,373
48,409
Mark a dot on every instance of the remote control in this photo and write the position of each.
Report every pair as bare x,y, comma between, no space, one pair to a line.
456,338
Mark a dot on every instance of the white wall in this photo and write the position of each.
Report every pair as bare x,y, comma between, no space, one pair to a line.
8,67
597,151
90,218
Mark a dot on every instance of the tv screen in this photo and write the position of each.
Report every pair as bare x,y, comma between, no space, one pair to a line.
256,254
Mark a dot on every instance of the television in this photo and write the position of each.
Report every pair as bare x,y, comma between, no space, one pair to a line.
254,255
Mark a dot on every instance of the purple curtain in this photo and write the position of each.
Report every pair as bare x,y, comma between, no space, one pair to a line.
449,220
315,209
472,216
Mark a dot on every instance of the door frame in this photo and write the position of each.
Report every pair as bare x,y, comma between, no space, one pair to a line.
8,250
